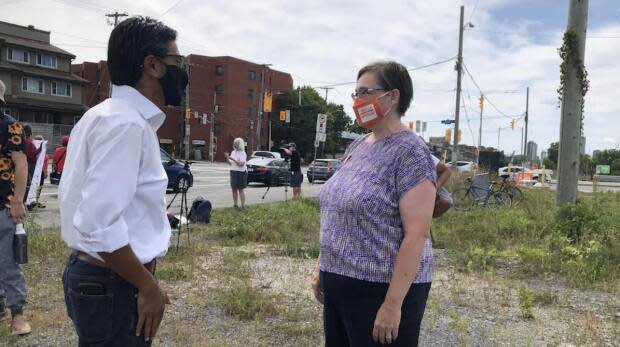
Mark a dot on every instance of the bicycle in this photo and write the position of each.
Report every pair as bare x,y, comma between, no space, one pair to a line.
508,185
479,193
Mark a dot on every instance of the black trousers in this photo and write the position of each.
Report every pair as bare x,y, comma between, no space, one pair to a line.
105,316
351,306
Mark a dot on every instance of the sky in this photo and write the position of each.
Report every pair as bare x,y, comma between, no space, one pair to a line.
512,45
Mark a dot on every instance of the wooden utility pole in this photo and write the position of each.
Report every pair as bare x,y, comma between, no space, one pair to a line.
459,71
116,16
571,109
480,130
527,106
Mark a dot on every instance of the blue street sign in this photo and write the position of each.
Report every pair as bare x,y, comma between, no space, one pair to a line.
447,121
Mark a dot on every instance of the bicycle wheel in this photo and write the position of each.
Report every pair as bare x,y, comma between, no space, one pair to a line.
499,199
516,195
463,199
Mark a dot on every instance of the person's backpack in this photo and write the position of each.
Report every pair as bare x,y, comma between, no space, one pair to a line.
200,212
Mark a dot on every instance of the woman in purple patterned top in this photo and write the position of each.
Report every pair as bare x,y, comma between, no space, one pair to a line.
375,219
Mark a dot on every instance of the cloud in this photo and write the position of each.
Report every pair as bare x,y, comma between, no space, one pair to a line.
325,42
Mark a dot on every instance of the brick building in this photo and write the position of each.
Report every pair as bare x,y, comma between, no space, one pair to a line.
41,90
232,84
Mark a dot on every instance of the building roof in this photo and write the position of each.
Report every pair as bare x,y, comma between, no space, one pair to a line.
46,105
38,45
41,72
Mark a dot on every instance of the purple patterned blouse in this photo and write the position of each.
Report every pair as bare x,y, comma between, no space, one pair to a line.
361,229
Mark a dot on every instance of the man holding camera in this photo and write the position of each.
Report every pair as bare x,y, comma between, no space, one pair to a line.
297,177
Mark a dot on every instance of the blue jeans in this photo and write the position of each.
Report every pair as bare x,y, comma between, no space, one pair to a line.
106,315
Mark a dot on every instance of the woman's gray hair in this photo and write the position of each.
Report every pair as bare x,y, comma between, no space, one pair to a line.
239,144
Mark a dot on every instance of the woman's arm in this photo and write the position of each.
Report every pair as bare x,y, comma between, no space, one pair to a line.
416,212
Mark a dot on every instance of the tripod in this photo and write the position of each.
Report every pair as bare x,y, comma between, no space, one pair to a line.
287,182
183,212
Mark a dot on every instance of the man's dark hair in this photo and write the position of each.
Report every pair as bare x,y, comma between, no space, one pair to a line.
27,130
130,42
392,75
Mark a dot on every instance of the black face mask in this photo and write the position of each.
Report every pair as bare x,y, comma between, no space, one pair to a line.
173,83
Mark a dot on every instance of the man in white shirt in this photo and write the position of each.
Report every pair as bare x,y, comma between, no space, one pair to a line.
112,193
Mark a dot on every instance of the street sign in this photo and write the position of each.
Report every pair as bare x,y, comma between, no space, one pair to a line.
288,116
322,137
321,123
423,127
447,121
603,169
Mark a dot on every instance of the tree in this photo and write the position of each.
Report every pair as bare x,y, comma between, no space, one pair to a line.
355,128
552,156
586,166
302,128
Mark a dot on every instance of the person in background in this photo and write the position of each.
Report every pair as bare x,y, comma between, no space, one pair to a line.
13,177
31,156
297,177
58,158
373,277
112,193
44,173
238,171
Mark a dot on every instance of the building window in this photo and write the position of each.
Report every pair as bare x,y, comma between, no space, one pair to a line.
219,108
251,93
17,55
47,61
43,117
10,111
61,89
219,88
252,75
219,70
32,85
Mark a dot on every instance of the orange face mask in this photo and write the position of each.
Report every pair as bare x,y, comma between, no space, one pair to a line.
368,112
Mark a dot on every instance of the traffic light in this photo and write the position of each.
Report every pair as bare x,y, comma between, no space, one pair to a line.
267,101
214,140
410,125
282,116
448,135
188,113
481,102
513,123
458,136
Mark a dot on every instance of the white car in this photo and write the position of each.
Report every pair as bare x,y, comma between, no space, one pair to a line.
463,166
265,154
504,172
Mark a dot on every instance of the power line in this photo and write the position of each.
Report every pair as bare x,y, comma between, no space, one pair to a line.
170,8
409,69
485,96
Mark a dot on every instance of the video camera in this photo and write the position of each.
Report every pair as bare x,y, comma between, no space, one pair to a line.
287,147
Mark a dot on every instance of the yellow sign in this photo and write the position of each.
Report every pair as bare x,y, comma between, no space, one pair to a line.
283,116
188,113
267,101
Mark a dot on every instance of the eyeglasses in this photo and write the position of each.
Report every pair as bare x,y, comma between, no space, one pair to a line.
364,92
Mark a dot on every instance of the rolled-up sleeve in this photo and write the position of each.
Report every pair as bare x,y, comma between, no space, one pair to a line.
110,182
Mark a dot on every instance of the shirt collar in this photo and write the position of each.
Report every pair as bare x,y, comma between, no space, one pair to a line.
153,114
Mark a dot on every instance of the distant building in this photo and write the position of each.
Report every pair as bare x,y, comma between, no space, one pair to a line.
41,90
227,87
532,151
596,153
543,156
582,145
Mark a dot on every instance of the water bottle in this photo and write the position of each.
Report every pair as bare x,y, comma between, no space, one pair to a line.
20,245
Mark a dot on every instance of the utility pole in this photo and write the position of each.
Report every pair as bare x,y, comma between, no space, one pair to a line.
259,114
326,90
480,130
116,16
459,71
499,132
527,107
186,119
572,102
212,124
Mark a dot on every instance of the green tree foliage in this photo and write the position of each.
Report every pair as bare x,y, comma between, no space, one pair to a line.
302,128
551,162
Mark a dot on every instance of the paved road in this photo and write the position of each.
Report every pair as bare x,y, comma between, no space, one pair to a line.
210,180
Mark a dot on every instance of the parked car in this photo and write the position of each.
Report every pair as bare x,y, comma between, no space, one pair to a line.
265,154
463,166
180,177
323,169
536,174
268,171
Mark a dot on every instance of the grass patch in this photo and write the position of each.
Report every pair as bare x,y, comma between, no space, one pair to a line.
580,242
526,303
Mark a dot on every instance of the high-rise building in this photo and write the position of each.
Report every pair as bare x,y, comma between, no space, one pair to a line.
532,151
582,145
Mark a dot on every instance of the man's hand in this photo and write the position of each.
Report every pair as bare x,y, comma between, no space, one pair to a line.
18,210
152,302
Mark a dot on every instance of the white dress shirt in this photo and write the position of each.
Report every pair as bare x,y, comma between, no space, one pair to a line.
112,191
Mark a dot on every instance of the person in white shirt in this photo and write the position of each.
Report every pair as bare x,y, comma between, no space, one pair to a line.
238,171
112,192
